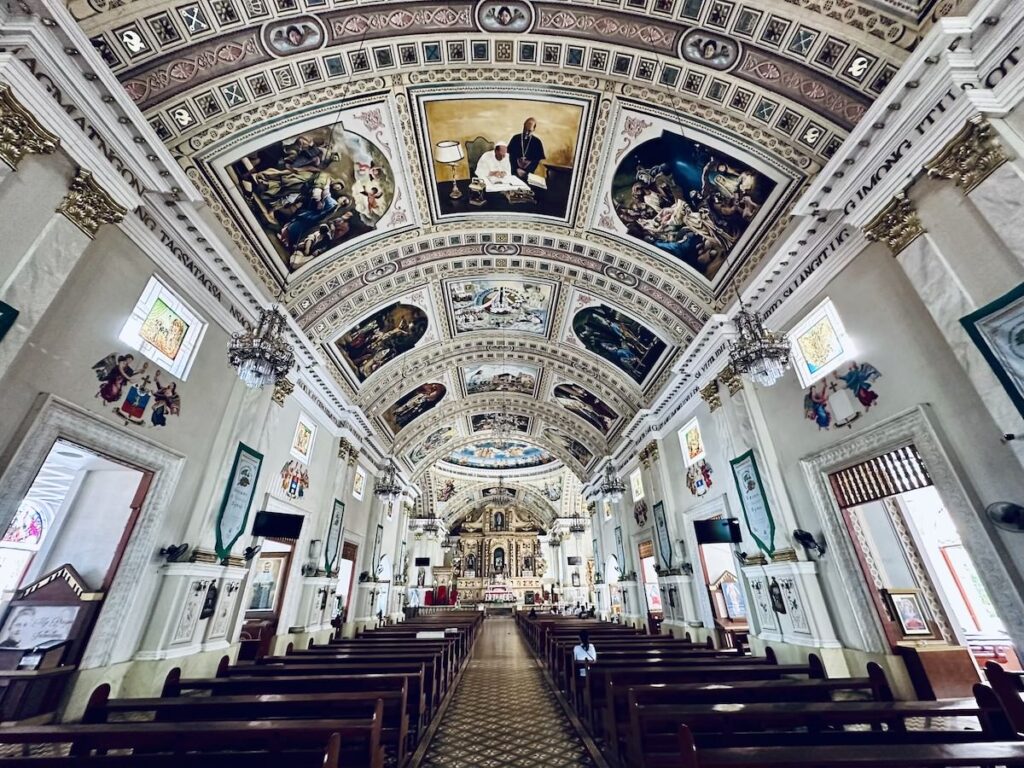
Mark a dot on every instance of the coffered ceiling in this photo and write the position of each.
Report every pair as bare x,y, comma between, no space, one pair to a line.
675,136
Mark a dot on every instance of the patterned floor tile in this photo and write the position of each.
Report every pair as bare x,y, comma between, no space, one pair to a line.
503,715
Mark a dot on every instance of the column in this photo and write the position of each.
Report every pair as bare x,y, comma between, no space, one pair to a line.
39,274
949,289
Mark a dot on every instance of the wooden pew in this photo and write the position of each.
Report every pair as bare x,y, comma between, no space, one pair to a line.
1002,753
1007,687
653,729
412,682
311,706
202,744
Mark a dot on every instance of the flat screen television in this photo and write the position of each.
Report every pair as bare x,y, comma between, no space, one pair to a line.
575,560
422,562
722,531
277,525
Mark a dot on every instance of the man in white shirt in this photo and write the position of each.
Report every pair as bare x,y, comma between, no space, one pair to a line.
584,653
495,168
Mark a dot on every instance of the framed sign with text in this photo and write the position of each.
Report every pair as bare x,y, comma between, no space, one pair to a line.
333,543
238,495
756,511
998,331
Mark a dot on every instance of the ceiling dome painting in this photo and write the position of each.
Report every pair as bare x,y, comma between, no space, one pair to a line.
382,337
500,207
506,454
688,200
619,339
315,191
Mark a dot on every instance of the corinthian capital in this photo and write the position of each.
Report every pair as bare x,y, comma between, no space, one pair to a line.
897,225
88,205
970,156
20,133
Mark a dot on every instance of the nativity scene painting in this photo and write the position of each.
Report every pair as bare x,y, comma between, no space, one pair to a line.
382,337
687,199
315,191
619,339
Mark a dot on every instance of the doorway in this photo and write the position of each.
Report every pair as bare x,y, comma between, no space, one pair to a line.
346,569
925,586
716,538
652,590
80,509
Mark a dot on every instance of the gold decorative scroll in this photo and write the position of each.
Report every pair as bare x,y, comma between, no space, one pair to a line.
897,225
970,156
88,205
20,133
712,396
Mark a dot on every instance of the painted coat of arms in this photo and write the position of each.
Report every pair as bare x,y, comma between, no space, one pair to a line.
135,393
294,479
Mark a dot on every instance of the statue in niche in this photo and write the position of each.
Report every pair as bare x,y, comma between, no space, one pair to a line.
499,560
528,563
471,562
499,521
421,577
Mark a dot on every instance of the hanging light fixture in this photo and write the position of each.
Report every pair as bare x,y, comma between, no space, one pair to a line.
262,356
761,354
611,488
387,485
431,525
502,496
503,425
577,526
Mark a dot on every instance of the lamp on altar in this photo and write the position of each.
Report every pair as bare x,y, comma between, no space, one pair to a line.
450,153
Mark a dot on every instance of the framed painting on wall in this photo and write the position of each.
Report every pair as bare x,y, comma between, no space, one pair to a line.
333,543
636,485
302,441
267,581
692,443
234,507
819,344
619,550
998,331
8,315
359,483
756,511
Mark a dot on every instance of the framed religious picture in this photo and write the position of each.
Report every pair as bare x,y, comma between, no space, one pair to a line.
268,581
377,539
619,550
661,529
359,483
998,331
636,485
333,542
29,626
908,611
302,440
692,443
756,511
234,507
575,578
8,315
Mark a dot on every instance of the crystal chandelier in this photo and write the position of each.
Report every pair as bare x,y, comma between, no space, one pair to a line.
611,487
577,526
501,496
761,354
431,525
387,486
262,356
503,425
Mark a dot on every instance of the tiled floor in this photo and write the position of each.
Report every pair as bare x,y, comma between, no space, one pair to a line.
503,715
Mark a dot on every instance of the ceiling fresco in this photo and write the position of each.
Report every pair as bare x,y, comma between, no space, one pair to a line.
526,207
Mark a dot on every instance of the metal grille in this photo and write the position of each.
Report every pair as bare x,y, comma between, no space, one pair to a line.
887,475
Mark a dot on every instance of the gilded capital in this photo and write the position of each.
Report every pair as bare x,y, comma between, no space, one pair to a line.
897,225
732,380
970,156
282,388
88,205
20,133
712,396
649,454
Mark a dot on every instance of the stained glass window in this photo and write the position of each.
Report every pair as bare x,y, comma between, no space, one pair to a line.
165,329
26,527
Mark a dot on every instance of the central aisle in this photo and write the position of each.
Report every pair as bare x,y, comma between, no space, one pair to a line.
503,715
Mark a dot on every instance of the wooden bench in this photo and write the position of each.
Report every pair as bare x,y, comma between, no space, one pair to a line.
1001,753
201,744
311,706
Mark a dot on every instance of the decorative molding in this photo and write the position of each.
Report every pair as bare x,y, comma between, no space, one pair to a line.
282,388
649,454
970,156
89,206
732,380
20,133
787,555
897,225
712,396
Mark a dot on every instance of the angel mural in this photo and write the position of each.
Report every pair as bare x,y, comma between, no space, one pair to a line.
829,404
134,391
315,191
688,200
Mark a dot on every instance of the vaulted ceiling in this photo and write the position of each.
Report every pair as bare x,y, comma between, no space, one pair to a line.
675,134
